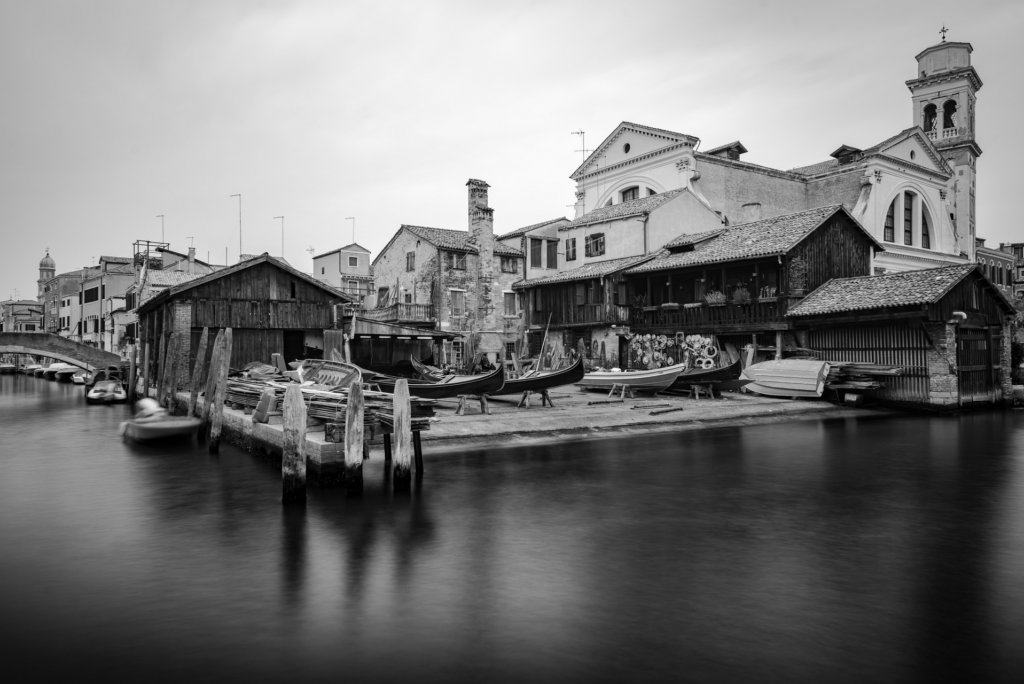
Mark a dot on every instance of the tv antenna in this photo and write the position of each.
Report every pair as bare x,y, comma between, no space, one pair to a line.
310,250
583,143
353,220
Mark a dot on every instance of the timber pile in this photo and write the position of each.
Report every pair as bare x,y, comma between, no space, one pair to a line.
858,376
328,405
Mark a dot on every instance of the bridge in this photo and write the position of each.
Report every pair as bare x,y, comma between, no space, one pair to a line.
57,348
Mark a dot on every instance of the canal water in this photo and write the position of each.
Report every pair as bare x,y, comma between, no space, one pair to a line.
882,550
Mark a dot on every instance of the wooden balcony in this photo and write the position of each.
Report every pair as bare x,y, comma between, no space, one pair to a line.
760,314
402,313
581,315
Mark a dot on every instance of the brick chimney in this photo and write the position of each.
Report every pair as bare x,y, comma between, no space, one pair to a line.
481,236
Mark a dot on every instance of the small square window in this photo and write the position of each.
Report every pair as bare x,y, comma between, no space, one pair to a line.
353,261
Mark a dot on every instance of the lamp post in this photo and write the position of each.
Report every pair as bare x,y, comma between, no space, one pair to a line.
282,234
161,217
239,196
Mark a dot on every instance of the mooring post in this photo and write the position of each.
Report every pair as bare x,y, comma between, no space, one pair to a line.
220,392
161,348
211,382
354,440
170,386
132,369
145,368
403,436
293,460
197,372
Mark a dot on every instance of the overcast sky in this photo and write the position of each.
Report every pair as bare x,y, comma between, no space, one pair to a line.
114,112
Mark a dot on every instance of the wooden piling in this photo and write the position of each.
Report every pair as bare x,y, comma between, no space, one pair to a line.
293,460
354,439
161,348
220,392
145,369
170,386
403,446
132,371
198,374
211,380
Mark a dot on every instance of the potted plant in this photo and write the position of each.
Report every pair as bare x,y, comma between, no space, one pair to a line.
741,296
715,298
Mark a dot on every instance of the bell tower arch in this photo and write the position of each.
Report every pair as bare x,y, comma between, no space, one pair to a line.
944,95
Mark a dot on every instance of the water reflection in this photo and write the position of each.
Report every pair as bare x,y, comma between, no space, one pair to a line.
882,550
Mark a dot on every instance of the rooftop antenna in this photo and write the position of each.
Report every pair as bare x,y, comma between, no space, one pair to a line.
353,220
310,250
190,239
583,143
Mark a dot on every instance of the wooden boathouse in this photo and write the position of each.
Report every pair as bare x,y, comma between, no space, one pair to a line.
270,306
948,328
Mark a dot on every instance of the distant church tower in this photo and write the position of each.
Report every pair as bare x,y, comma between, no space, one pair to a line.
47,269
944,95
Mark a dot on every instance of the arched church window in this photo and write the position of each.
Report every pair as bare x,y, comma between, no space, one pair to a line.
930,114
908,218
926,233
890,223
949,114
630,193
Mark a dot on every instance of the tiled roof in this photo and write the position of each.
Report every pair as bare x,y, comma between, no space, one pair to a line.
166,278
890,290
456,240
116,260
625,209
695,238
815,169
767,237
526,229
832,164
595,269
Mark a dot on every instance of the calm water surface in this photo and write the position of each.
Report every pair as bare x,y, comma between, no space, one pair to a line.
884,550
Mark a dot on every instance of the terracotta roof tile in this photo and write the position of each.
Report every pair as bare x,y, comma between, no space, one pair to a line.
890,290
526,229
767,237
595,269
456,240
625,209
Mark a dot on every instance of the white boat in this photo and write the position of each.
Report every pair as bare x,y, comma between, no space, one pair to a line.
65,374
30,369
787,378
654,380
80,377
166,427
7,368
106,392
50,372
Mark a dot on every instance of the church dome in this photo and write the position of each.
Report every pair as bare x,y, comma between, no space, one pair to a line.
46,262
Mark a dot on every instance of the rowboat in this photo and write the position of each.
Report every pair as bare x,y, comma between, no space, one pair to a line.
170,427
106,392
491,383
787,378
535,381
694,376
654,380
331,375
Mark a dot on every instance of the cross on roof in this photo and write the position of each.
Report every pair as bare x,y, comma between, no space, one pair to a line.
943,32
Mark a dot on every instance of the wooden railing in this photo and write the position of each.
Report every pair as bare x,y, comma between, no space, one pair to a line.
411,313
583,314
705,316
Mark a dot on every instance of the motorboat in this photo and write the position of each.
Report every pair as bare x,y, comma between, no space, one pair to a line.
152,422
106,392
787,377
7,368
50,373
653,380
65,374
81,377
30,369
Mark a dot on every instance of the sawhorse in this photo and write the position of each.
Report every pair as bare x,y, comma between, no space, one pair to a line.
461,410
545,399
623,389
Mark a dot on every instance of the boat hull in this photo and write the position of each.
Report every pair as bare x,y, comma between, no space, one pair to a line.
698,375
164,429
491,383
545,380
654,380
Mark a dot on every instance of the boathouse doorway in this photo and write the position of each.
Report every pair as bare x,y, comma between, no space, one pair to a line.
977,365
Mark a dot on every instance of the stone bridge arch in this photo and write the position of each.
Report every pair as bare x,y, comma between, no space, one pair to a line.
57,348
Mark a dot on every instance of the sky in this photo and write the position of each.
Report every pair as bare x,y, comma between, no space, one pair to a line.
349,119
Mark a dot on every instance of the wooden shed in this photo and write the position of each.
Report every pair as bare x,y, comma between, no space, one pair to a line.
948,328
270,307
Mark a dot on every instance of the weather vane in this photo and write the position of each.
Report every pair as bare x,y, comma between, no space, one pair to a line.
943,32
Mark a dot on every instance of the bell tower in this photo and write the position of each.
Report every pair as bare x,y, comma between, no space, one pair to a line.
47,269
944,95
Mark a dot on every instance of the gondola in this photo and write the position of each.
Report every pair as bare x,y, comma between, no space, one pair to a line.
491,383
698,375
536,381
428,372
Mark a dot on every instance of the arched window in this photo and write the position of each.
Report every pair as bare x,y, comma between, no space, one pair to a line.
949,114
630,193
930,114
908,218
890,225
926,233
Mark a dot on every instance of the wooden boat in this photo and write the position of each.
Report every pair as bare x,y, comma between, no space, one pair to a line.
654,380
693,376
428,372
535,381
106,392
787,378
330,375
160,428
490,383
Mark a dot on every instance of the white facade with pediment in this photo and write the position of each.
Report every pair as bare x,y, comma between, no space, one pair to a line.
913,192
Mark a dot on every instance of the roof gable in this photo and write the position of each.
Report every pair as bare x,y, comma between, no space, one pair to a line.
897,147
641,140
622,210
455,240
